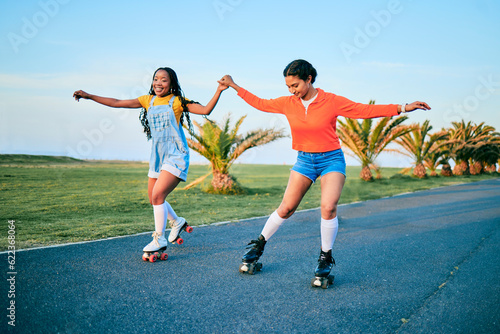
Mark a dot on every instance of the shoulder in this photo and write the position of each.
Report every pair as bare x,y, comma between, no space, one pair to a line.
325,95
177,105
178,100
144,100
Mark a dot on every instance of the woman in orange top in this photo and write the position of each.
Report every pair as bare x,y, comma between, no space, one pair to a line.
312,114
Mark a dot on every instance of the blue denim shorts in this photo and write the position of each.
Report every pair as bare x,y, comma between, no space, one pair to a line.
313,165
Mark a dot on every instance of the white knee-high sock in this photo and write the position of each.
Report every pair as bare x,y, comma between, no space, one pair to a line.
329,229
171,215
272,225
160,215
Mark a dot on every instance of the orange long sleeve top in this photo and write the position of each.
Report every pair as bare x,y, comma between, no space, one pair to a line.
315,130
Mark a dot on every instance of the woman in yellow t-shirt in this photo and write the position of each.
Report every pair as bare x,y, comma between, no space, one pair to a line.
163,114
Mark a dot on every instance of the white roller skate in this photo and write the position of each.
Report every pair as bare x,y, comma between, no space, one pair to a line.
156,249
179,225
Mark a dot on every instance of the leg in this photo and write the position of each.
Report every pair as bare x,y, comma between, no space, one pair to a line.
170,212
295,191
331,188
297,187
165,184
158,189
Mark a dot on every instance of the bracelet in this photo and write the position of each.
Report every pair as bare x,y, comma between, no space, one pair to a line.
403,108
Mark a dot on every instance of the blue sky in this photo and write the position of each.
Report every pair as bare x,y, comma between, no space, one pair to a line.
443,52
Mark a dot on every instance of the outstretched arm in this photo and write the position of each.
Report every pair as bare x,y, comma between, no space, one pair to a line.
206,110
107,101
272,105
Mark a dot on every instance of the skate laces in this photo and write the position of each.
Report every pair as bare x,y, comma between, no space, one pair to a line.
177,222
257,244
155,236
326,258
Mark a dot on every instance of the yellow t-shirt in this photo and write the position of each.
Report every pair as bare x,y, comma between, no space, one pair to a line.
145,100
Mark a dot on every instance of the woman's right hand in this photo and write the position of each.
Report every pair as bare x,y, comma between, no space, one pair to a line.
80,94
228,81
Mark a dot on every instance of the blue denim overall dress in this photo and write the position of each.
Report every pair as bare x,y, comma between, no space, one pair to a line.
169,149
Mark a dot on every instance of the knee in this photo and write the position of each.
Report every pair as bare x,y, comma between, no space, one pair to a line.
328,210
285,212
157,199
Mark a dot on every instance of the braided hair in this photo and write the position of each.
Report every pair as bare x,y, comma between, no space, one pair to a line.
175,89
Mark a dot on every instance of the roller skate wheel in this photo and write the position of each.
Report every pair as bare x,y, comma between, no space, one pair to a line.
315,282
164,257
189,229
325,284
243,268
145,257
152,258
251,269
180,241
258,266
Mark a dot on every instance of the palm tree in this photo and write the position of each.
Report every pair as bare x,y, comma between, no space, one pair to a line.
467,142
415,146
445,150
460,144
438,154
221,146
366,143
486,148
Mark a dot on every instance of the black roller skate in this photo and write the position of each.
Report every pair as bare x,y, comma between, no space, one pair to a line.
249,261
325,263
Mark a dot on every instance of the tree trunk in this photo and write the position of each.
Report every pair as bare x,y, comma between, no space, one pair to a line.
476,168
419,171
491,169
461,168
366,174
222,183
446,170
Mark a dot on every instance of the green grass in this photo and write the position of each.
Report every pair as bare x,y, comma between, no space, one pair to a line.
57,199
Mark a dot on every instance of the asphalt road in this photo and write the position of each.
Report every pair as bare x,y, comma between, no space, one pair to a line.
426,262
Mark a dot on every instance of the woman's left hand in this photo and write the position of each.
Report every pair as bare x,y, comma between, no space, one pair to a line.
417,105
222,87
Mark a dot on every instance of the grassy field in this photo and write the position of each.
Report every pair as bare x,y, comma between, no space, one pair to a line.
57,199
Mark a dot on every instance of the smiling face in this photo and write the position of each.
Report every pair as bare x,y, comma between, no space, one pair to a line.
299,87
161,83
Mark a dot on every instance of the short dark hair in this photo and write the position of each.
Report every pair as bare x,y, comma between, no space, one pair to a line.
301,68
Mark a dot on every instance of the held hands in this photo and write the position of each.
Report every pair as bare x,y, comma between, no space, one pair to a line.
228,81
414,106
80,94
221,87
